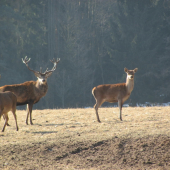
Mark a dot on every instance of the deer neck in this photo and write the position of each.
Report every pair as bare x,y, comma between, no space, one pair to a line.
129,85
41,87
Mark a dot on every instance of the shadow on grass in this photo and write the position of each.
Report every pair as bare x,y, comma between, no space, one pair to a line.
44,132
54,124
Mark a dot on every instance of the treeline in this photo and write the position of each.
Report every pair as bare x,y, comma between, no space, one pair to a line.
95,40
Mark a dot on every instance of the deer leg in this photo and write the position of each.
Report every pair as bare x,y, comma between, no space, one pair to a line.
97,115
30,105
27,114
96,106
120,104
15,117
0,114
6,121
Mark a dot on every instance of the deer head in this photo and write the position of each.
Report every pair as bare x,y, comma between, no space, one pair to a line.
42,77
130,73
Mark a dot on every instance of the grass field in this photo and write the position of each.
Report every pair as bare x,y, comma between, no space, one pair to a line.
73,139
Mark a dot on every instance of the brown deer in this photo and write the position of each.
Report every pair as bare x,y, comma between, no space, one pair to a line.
30,92
8,103
114,92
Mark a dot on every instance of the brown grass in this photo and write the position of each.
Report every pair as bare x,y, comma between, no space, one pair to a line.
73,139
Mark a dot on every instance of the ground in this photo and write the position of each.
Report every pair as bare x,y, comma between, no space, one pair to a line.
73,139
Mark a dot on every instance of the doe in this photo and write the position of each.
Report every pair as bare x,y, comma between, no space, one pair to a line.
8,103
114,92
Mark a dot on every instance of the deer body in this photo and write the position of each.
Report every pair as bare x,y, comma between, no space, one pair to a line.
30,92
8,103
114,92
27,92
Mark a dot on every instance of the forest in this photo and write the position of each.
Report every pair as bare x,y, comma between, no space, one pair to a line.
95,40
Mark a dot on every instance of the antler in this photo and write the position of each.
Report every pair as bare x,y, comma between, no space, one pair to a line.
47,73
54,67
26,61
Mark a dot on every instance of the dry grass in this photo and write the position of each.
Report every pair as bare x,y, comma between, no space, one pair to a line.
73,134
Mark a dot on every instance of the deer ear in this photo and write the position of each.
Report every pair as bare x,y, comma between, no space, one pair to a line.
48,74
135,70
126,70
37,74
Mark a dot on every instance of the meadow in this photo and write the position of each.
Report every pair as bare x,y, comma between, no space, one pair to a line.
73,139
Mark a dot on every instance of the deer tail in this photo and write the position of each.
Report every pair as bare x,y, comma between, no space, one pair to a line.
93,91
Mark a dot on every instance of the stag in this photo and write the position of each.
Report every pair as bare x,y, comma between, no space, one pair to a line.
30,92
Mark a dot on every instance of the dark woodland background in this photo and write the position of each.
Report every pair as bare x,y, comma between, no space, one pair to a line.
95,40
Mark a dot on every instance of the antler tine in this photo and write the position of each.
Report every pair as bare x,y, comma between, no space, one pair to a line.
55,65
26,61
54,60
46,70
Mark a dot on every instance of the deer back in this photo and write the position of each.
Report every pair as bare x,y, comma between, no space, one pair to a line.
110,92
